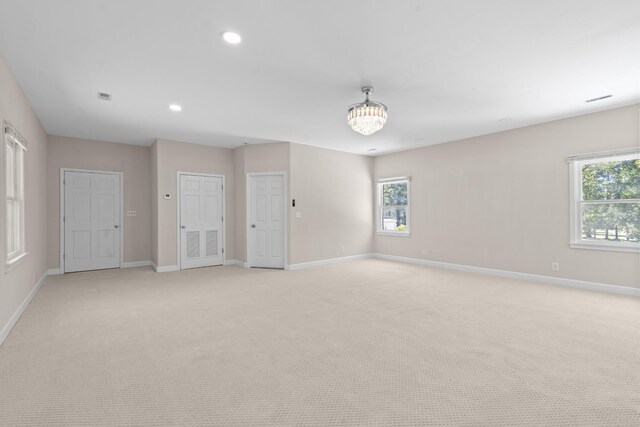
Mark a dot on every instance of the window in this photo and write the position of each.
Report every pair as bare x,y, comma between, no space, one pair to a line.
15,147
393,206
605,208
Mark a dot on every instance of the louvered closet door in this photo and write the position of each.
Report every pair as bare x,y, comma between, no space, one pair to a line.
201,219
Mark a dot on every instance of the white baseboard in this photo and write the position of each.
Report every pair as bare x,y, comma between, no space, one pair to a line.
580,284
136,264
164,268
592,286
235,262
169,268
327,261
4,333
56,271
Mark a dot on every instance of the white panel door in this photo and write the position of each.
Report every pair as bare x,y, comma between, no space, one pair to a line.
201,221
266,227
91,221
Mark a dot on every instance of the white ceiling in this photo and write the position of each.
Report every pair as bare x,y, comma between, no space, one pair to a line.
446,69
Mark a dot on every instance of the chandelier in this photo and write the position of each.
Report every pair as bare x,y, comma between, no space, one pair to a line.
367,117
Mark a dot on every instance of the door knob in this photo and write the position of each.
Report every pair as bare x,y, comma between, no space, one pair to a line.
253,226
183,226
116,226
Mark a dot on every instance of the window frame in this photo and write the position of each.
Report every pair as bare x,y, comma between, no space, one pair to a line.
13,139
577,201
379,206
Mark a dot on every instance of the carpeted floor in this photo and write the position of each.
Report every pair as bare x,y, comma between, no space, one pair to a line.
363,343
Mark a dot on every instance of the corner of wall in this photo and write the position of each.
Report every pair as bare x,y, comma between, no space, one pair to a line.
239,171
154,203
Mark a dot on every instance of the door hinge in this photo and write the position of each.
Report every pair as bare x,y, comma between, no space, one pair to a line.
222,187
64,219
222,219
222,250
64,182
64,256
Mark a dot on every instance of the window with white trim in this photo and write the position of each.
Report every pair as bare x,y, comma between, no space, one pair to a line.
14,150
605,207
393,206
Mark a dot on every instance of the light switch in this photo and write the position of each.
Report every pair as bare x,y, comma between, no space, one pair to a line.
131,213
167,196
298,215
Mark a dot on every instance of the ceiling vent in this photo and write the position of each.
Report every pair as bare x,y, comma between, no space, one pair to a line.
600,98
104,96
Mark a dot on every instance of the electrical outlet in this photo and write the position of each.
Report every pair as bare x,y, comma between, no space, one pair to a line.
298,215
131,213
424,252
555,266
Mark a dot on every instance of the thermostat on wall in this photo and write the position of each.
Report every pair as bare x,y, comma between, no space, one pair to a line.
167,196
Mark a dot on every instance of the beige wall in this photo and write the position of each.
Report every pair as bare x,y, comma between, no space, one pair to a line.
501,201
258,158
240,204
135,164
333,192
174,157
16,284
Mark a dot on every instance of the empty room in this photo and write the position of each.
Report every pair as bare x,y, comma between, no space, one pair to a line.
334,213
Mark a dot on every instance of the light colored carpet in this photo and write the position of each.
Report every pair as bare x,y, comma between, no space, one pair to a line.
363,343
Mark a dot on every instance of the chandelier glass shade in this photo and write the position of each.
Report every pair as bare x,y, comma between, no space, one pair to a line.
367,117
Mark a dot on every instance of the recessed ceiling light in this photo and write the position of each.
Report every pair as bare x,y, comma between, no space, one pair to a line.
231,37
104,96
372,149
175,107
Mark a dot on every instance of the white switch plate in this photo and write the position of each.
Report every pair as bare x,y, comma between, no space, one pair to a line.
167,196
131,213
298,215
555,266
